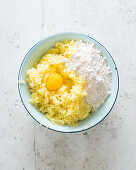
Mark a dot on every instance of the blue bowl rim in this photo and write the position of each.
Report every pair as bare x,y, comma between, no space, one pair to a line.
62,34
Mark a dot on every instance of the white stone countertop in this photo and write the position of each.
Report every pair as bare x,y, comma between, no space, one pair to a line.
24,144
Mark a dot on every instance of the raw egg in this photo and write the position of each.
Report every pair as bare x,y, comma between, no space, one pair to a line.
54,81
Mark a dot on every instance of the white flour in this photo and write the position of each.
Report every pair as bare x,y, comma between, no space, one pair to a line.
88,62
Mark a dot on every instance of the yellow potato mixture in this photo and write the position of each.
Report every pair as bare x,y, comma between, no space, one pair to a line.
57,91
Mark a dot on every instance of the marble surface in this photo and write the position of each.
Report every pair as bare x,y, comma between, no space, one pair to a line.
24,144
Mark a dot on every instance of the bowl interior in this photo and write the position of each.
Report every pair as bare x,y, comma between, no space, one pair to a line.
36,52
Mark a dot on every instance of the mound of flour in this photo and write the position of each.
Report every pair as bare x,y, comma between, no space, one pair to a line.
89,63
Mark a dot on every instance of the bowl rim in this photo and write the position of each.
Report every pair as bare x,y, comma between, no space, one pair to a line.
53,36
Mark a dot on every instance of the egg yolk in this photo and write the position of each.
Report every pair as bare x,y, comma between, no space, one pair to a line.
54,81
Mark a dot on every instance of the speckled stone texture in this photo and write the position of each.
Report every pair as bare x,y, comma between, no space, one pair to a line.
24,144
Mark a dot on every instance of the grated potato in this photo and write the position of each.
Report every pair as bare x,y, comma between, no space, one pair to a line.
65,106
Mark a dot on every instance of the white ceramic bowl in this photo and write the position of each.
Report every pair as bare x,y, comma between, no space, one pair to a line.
36,52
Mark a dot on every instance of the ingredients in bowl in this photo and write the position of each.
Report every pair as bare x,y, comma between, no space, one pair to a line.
71,80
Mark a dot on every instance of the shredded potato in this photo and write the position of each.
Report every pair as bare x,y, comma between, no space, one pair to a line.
65,106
